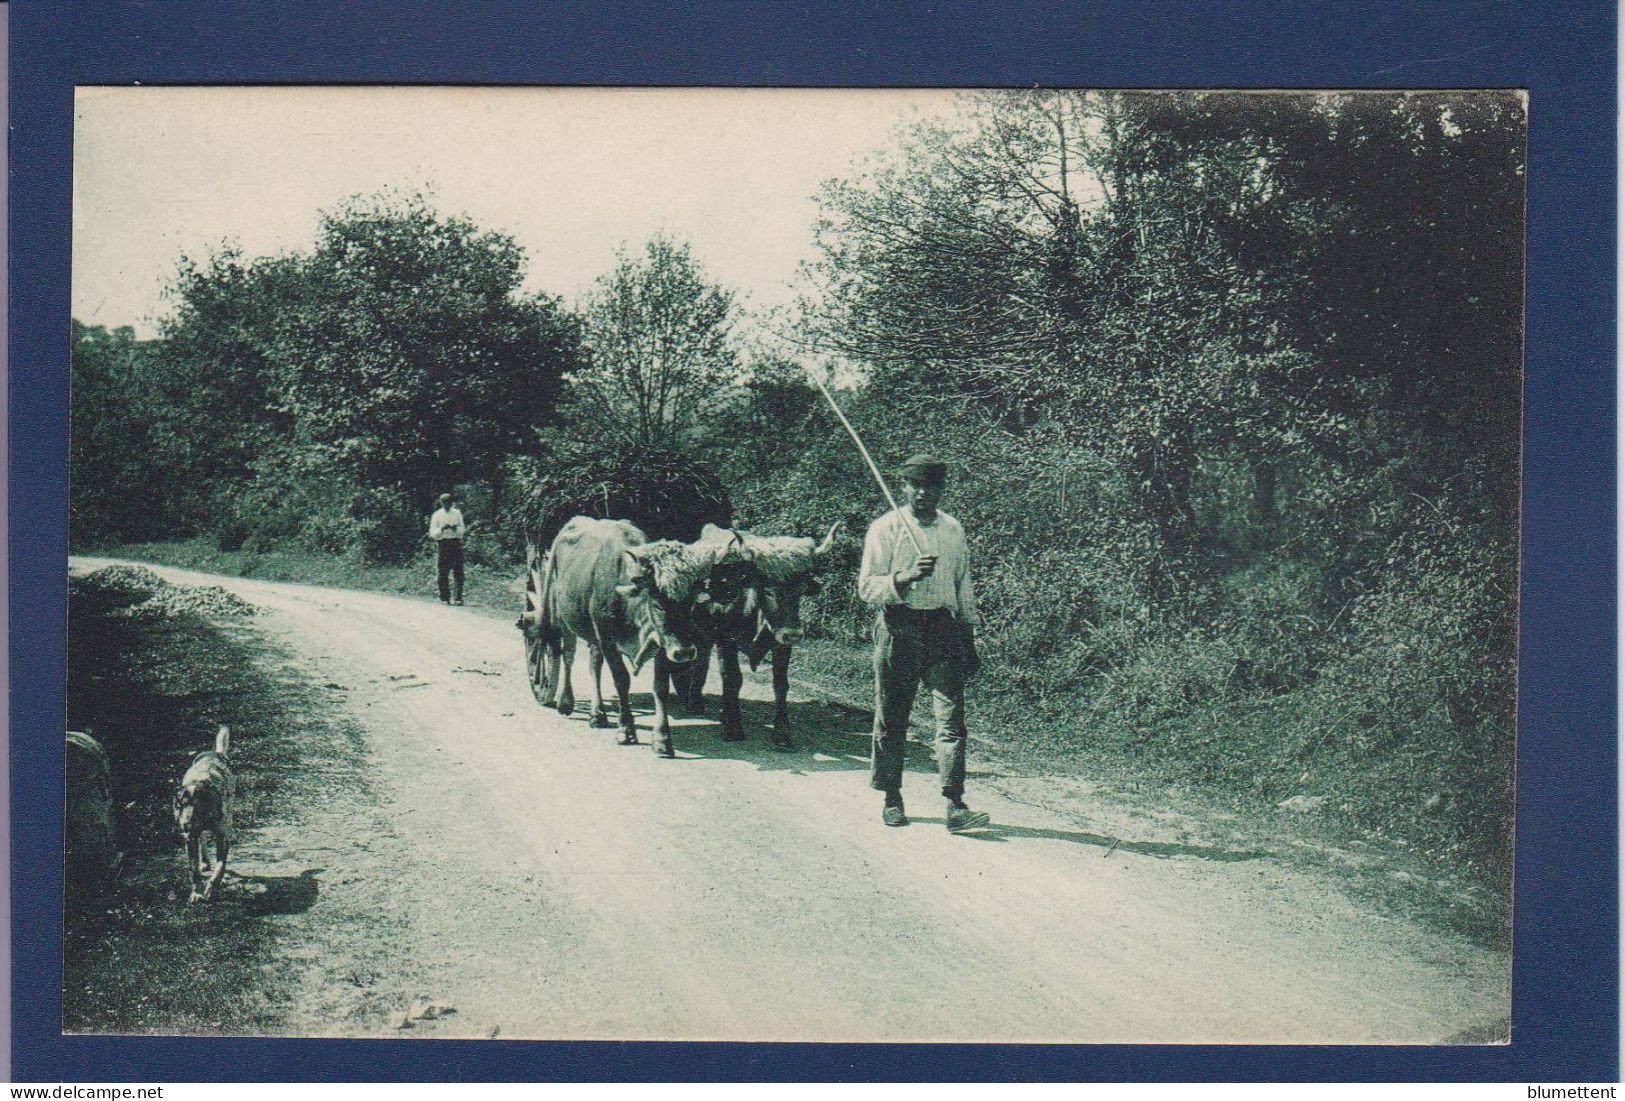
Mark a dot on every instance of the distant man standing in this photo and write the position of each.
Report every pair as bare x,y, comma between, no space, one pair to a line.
923,635
446,529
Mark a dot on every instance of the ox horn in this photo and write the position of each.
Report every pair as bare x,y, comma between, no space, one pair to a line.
829,541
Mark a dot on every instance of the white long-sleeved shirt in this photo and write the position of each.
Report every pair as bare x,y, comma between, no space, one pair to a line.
888,551
446,523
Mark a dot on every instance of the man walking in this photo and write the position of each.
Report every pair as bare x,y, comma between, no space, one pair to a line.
446,530
916,572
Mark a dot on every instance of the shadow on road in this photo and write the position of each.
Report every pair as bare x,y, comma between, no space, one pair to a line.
1162,849
831,738
280,894
827,737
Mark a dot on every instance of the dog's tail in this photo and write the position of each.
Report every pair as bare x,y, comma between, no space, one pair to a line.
222,741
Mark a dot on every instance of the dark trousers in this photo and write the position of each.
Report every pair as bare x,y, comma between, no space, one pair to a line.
449,563
914,648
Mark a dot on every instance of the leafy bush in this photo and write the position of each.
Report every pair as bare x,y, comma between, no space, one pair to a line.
388,530
296,498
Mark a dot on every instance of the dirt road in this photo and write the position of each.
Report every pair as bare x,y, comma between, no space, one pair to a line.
551,884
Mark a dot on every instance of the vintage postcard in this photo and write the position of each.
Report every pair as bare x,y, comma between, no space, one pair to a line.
794,565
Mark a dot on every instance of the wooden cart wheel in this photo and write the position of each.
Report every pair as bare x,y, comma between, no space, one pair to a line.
536,669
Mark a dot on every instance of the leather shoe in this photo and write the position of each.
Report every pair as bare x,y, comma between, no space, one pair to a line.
963,818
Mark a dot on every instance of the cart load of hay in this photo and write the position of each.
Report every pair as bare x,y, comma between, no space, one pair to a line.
665,493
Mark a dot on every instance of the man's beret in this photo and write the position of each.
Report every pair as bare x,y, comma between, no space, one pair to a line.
445,497
923,467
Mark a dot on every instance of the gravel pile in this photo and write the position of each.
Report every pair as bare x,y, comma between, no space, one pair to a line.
164,599
131,580
208,600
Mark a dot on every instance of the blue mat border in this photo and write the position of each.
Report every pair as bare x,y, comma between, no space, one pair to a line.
1565,989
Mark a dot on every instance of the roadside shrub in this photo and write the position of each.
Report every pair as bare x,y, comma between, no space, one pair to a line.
231,532
387,527
1270,614
1430,655
296,498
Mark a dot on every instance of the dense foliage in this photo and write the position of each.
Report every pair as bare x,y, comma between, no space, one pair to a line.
110,454
417,361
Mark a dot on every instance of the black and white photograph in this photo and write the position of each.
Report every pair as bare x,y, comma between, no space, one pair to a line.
807,565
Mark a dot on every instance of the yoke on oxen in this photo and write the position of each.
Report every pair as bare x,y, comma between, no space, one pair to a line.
757,588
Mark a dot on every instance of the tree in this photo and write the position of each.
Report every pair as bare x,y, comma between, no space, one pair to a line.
773,410
116,487
658,346
214,379
412,355
933,265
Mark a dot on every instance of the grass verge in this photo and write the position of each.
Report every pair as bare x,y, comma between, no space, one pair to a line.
136,957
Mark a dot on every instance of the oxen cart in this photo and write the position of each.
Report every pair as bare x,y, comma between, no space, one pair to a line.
605,583
663,494
748,597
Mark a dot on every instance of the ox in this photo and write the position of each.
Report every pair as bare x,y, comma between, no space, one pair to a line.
603,582
755,590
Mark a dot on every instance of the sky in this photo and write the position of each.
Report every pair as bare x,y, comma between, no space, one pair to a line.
571,173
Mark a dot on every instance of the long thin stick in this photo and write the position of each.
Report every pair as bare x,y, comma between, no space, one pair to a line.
908,525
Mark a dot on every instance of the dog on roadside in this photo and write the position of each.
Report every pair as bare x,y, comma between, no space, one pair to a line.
204,803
